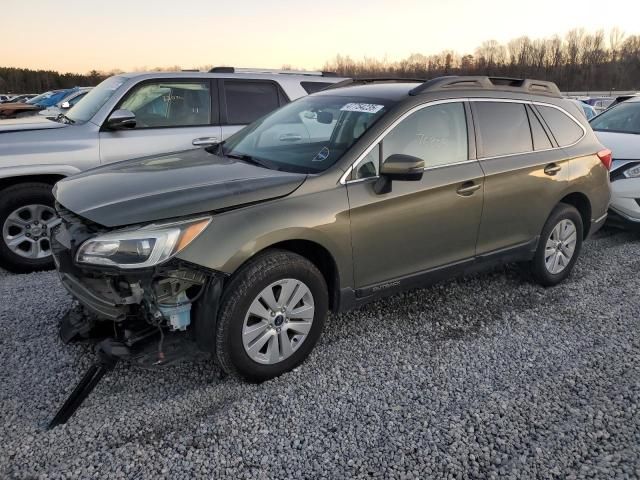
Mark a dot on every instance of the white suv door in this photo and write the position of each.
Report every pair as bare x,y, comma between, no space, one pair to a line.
171,115
244,101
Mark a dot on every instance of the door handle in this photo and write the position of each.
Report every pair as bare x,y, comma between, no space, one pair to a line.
467,188
552,169
198,142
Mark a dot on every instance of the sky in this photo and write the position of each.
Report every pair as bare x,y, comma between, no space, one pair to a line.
81,35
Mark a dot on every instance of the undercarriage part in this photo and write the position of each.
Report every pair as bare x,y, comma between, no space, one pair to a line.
105,363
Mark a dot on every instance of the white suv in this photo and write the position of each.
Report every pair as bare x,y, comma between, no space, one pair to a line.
126,116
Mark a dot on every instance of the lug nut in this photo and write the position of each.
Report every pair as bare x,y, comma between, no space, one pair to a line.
278,330
273,314
28,226
29,235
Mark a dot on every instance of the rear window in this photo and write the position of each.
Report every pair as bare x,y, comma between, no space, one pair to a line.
503,128
540,139
565,130
313,87
248,101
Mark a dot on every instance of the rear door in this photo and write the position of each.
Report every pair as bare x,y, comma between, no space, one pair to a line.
244,101
419,225
525,173
171,115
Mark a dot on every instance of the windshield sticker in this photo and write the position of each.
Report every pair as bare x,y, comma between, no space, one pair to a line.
322,155
362,107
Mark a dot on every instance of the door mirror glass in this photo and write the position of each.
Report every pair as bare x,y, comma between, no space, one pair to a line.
402,167
121,119
65,105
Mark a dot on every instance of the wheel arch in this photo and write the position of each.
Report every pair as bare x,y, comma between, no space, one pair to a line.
581,202
48,178
317,254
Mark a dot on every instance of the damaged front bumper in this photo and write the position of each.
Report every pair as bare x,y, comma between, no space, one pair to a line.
165,297
153,316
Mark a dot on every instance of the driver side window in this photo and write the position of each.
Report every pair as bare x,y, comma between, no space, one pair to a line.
169,104
370,164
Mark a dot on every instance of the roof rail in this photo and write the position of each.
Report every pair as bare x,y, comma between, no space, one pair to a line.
522,85
271,71
349,82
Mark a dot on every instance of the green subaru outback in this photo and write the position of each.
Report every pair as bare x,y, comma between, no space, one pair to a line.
358,191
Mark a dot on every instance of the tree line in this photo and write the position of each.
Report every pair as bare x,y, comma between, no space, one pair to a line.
579,61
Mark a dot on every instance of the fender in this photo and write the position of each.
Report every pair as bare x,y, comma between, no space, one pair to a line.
42,169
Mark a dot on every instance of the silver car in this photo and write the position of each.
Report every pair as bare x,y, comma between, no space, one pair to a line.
126,116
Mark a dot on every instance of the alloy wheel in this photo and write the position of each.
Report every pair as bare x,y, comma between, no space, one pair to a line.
278,321
560,246
26,231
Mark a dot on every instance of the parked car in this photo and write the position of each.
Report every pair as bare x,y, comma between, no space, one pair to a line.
4,98
65,103
126,116
33,105
587,110
248,244
18,98
600,104
619,129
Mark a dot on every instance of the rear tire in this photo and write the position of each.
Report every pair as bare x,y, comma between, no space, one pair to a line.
283,332
14,210
559,246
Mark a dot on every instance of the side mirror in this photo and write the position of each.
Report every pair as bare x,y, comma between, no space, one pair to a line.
398,167
65,105
121,120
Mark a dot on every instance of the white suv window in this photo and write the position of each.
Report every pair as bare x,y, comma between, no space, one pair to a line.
170,104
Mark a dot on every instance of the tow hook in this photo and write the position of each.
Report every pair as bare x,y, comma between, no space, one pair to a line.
106,362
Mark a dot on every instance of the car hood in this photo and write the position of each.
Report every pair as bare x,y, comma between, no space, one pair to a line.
29,123
174,185
624,146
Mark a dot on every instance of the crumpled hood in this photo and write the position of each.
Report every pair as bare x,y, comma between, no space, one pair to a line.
174,185
36,122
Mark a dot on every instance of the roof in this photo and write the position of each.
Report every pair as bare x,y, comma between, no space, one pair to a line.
384,90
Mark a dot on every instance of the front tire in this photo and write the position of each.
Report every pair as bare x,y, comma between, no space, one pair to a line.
559,246
271,316
27,215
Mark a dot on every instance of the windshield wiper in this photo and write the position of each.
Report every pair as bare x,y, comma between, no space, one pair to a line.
248,159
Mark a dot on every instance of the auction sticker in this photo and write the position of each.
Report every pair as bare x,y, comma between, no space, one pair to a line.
362,107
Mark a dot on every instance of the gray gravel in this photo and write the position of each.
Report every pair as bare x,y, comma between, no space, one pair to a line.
486,377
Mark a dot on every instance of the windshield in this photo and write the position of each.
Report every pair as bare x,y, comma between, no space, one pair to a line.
308,135
94,100
621,118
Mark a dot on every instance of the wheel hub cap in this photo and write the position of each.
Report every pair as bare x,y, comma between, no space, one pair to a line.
560,246
278,321
26,231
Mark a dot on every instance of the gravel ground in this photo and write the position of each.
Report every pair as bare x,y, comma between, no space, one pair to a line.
485,377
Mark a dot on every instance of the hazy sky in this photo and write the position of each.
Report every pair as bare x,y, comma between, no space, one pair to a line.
79,35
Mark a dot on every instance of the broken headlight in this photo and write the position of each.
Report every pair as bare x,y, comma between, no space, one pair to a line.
143,247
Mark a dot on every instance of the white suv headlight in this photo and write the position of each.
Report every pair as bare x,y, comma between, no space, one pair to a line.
633,172
145,247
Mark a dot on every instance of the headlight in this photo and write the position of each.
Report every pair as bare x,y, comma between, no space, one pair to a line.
633,172
144,247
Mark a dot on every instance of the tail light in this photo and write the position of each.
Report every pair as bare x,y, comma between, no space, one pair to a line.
605,158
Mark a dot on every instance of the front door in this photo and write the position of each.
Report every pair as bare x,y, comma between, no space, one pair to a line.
419,225
171,116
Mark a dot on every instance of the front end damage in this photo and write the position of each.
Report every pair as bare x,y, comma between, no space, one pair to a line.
152,316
